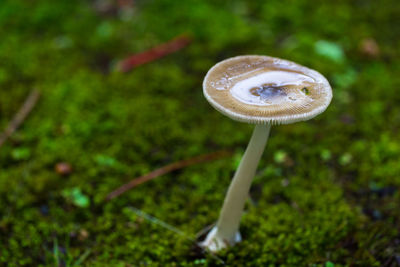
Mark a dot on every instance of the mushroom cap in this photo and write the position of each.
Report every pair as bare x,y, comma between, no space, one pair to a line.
266,90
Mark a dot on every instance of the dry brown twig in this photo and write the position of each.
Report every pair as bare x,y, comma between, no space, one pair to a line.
154,53
166,169
21,115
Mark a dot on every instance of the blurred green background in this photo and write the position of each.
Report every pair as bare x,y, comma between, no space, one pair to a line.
327,190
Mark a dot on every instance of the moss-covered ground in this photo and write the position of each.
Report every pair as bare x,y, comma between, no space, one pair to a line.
327,190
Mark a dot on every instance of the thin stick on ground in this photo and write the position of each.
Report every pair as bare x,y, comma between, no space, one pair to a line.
166,169
154,53
21,115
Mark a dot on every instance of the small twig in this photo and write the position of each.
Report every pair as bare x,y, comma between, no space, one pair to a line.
155,53
166,169
23,112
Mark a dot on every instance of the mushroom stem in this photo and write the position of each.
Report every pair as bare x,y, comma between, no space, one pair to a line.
226,231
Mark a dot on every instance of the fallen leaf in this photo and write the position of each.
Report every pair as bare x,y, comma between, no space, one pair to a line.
63,168
370,48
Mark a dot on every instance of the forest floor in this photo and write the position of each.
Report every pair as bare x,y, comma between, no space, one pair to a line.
327,190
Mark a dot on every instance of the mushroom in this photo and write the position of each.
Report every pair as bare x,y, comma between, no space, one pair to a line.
264,91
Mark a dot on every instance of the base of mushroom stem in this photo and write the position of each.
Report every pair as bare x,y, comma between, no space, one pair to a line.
213,242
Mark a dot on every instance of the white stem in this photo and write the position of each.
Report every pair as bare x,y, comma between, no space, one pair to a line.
226,231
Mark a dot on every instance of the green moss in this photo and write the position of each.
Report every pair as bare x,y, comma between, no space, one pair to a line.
326,193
